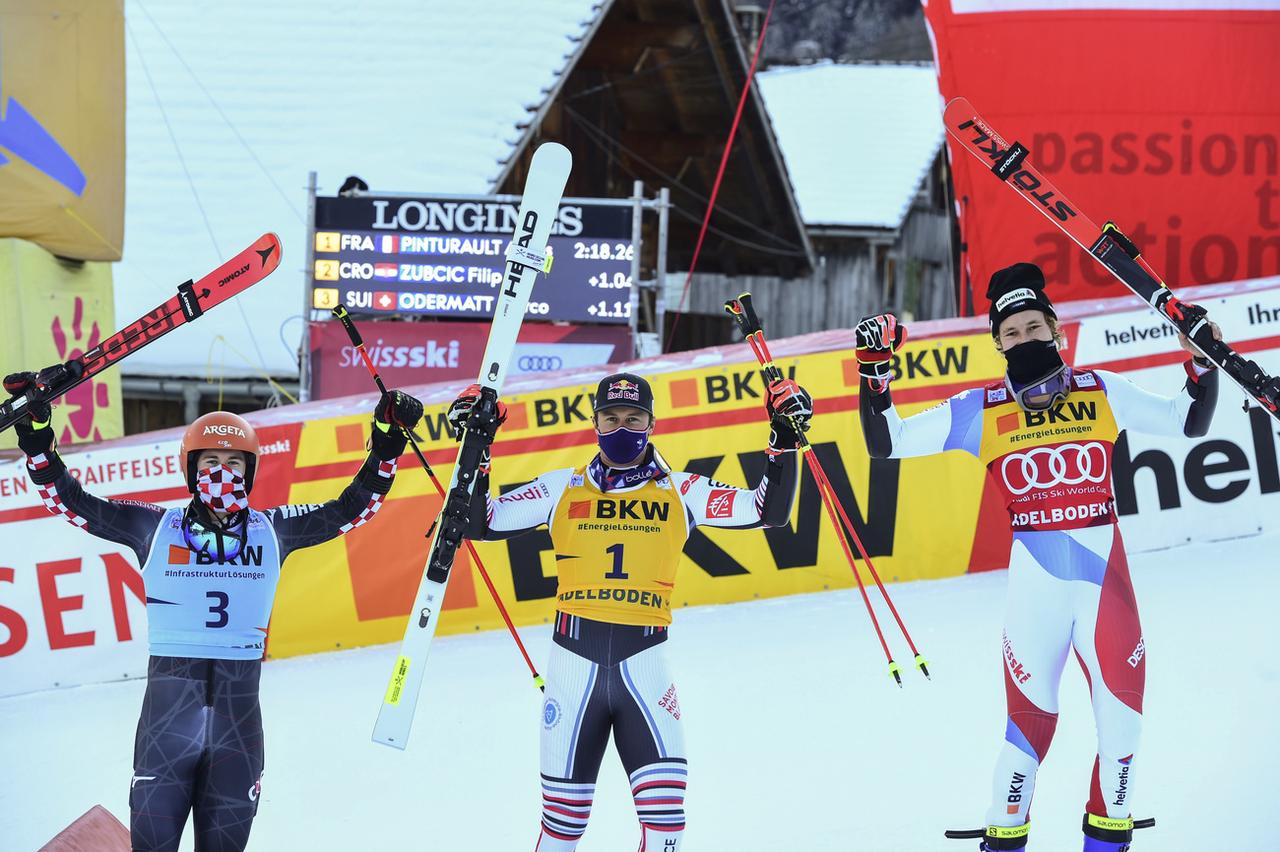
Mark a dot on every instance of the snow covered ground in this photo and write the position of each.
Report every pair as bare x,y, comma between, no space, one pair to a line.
798,741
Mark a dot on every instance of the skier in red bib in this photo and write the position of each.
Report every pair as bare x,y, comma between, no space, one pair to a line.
1045,432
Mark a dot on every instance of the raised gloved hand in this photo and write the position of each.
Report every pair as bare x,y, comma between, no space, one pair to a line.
790,408
16,384
398,410
35,431
460,410
877,338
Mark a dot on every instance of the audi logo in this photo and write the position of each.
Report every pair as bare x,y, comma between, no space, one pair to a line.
539,363
1045,467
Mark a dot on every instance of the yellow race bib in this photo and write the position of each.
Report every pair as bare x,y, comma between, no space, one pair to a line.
617,553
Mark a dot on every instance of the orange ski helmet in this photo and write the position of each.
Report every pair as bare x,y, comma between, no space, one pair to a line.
219,430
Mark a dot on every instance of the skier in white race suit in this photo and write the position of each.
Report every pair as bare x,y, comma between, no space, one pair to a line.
1045,432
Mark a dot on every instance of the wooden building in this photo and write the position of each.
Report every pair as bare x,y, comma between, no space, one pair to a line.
834,200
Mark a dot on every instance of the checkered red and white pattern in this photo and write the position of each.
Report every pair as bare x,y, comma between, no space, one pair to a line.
52,502
387,470
222,489
38,462
366,514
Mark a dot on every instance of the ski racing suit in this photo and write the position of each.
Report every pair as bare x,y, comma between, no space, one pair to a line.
618,536
1069,585
199,744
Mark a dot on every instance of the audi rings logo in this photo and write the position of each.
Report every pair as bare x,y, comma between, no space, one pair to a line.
539,363
1045,467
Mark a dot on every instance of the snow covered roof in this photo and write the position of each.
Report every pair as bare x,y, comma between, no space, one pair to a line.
858,139
230,104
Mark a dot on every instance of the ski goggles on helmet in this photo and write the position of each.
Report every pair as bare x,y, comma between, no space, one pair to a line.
215,542
1037,376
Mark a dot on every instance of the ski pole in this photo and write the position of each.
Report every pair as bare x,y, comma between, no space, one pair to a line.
866,557
358,342
919,658
744,314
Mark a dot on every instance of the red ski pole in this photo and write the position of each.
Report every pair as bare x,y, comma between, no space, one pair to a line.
919,658
745,316
358,342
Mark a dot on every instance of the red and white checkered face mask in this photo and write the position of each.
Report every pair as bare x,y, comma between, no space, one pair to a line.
222,489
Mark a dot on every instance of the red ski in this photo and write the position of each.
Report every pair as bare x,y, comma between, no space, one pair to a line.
189,303
1109,247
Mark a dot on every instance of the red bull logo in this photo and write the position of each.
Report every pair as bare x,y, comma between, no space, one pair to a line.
624,389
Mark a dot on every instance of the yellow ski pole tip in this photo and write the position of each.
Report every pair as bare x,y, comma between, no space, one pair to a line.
923,665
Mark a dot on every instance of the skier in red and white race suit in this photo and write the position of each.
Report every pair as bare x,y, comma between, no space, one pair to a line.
1045,433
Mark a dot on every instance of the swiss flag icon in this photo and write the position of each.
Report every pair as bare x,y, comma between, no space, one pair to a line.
384,301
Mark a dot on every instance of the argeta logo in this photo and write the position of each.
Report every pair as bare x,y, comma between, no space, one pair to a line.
720,503
224,429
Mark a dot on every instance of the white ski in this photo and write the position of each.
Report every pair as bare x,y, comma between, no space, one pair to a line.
526,257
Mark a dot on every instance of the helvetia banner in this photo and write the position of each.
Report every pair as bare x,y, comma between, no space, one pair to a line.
1158,114
71,605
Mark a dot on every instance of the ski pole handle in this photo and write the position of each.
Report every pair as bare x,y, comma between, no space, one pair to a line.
344,316
744,314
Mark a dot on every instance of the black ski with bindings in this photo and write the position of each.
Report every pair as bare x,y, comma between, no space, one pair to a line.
1109,247
188,304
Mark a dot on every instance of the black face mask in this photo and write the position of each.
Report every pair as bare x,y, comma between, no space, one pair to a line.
1037,375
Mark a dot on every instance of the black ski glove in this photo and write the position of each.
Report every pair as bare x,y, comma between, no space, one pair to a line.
399,410
35,431
876,338
790,406
16,384
460,411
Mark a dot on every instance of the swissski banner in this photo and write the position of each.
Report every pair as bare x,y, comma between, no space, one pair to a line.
419,353
1184,155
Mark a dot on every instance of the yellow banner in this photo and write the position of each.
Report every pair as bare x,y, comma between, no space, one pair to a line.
62,125
57,310
917,517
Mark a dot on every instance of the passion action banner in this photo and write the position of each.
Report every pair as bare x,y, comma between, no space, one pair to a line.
1159,115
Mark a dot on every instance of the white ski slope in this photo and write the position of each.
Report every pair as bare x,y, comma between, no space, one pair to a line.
798,740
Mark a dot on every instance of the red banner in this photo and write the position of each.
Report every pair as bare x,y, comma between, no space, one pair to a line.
1159,115
419,353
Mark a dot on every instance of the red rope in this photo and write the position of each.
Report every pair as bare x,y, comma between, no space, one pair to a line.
724,161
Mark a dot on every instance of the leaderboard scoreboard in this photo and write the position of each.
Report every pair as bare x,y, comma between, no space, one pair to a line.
445,257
